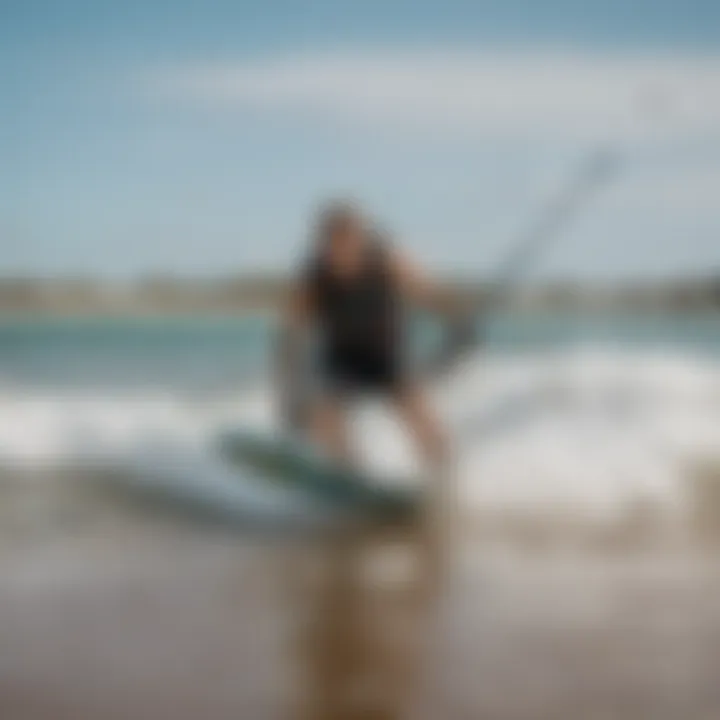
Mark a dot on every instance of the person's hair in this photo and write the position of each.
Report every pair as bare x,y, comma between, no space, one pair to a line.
332,216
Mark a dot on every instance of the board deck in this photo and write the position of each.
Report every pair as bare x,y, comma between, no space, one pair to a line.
290,462
204,488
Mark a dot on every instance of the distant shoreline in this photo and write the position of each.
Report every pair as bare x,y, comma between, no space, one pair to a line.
29,317
256,294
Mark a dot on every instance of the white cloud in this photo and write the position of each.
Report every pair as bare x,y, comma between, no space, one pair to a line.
690,193
546,92
661,212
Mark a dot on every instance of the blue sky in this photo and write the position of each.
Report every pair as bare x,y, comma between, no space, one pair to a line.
195,137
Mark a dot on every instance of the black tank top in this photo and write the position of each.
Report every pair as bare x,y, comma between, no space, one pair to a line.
358,316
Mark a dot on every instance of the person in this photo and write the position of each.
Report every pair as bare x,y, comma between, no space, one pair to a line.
352,293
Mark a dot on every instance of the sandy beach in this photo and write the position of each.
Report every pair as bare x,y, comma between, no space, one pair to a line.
111,613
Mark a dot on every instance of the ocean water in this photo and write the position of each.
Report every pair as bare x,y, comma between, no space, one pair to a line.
562,415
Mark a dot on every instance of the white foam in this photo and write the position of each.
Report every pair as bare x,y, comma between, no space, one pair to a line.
589,429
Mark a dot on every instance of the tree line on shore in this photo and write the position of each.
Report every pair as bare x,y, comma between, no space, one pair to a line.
258,291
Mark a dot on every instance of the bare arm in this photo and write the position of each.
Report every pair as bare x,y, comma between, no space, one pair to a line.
295,314
422,291
295,319
458,317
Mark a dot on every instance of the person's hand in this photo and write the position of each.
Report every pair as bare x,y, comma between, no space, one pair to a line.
293,414
466,335
460,338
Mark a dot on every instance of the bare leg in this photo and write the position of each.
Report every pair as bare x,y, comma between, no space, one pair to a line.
425,428
434,527
328,428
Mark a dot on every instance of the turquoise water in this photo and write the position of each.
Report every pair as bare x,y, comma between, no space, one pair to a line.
188,352
213,353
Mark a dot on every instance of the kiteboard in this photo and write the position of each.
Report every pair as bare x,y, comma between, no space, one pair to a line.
290,462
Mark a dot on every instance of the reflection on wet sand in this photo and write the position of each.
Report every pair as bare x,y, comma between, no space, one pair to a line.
364,600
364,603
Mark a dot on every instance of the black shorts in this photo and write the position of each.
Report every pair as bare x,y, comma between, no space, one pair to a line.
356,374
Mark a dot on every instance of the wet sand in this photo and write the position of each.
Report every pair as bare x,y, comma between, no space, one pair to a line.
107,614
